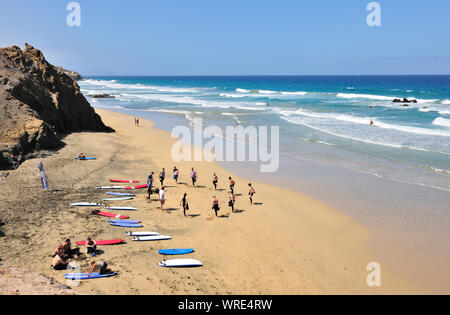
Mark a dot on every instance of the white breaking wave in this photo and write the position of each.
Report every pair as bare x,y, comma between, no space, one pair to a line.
446,102
441,122
122,86
269,92
382,98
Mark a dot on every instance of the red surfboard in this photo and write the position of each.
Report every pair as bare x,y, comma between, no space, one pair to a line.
136,187
111,215
104,242
123,181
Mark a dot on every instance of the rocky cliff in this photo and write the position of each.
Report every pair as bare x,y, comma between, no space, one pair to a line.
39,104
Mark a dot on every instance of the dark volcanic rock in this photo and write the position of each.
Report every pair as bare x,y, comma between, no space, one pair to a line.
39,103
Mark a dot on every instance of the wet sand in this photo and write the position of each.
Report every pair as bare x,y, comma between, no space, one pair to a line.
287,244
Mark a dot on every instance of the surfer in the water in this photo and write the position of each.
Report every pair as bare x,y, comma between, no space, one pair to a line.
215,205
251,192
184,203
215,180
371,122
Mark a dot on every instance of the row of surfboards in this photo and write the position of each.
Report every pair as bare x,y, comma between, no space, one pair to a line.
120,221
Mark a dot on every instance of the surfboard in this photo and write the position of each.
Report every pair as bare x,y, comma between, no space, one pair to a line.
88,158
109,187
121,208
141,233
124,221
123,181
129,225
178,251
120,194
102,242
118,199
84,276
151,238
180,263
85,204
136,187
111,215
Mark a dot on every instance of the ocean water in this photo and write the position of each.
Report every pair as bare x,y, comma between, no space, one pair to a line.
321,118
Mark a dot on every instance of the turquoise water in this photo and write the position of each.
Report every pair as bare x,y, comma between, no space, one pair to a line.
321,118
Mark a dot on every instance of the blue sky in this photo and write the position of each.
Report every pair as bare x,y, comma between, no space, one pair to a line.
234,37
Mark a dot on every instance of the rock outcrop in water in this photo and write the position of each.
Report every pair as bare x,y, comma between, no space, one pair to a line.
39,104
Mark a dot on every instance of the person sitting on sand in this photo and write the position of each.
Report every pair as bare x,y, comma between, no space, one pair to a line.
232,201
100,266
215,205
162,197
232,183
215,181
91,246
251,192
81,156
162,176
175,174
194,176
68,251
184,203
59,263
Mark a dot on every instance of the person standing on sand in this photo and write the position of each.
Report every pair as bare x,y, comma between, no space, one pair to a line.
162,176
232,202
175,174
162,197
184,203
215,181
232,183
215,205
251,192
137,122
150,185
193,176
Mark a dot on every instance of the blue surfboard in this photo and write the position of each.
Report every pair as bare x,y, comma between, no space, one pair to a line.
88,158
120,194
84,276
179,251
125,221
130,225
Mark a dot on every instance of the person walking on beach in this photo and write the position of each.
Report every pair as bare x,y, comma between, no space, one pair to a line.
162,197
215,181
251,192
215,205
162,176
232,202
175,174
232,183
150,185
184,203
193,176
137,122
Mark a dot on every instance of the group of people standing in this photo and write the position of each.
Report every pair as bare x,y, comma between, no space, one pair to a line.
194,176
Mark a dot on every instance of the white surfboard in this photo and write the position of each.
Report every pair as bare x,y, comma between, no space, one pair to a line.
85,204
110,187
180,263
142,233
121,208
151,238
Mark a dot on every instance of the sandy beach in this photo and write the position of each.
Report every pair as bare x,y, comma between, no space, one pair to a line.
287,243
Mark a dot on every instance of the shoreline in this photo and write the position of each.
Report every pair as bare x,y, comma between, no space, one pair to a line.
288,245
